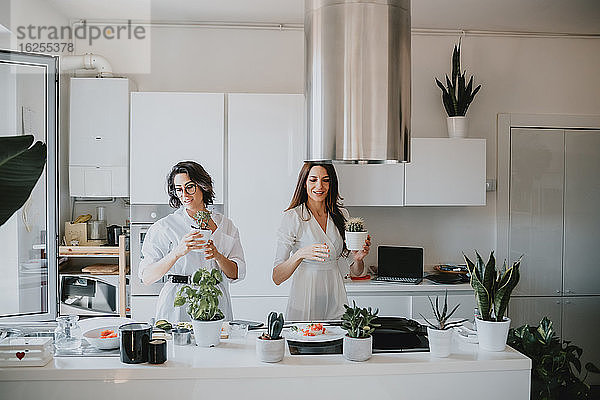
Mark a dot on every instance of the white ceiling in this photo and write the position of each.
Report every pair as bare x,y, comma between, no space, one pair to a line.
555,16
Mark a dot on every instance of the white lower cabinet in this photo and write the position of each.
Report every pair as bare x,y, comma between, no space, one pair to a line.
255,308
143,308
421,306
388,305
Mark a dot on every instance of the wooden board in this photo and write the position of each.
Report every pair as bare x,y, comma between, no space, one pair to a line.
88,250
106,269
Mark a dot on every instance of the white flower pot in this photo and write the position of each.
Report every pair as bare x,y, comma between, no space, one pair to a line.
207,333
457,127
492,335
356,240
206,235
440,342
270,351
358,349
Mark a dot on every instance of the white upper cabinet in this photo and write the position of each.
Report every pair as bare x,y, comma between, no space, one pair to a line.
445,172
371,184
266,148
99,137
170,127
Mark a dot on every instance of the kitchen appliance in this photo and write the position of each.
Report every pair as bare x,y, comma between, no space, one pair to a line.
395,335
97,227
135,339
142,217
112,234
399,264
357,64
89,295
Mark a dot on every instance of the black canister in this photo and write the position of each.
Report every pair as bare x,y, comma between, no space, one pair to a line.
112,233
157,351
135,338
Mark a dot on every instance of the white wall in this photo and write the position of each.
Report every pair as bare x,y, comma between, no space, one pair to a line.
519,75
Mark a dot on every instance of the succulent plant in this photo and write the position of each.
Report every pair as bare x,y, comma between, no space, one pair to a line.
355,224
201,218
457,96
359,322
202,296
443,316
274,325
492,288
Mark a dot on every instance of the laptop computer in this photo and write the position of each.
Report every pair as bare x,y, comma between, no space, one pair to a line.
400,264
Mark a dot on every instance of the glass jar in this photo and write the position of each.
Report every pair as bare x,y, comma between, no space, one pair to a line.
67,335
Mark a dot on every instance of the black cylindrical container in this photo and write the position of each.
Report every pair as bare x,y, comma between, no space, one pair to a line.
134,342
157,351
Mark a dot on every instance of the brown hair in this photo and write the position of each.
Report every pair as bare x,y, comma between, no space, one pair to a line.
333,202
197,174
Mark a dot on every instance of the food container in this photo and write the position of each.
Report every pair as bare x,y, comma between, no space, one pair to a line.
134,342
181,336
157,351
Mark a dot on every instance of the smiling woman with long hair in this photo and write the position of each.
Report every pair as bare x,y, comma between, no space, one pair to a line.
311,248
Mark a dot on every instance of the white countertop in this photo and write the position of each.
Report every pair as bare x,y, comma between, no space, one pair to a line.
358,287
235,358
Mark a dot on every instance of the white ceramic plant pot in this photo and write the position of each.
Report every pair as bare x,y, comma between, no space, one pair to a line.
356,240
457,127
270,351
207,333
358,349
492,335
440,342
206,236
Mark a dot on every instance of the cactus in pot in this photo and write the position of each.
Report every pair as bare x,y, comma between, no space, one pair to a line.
270,346
201,218
492,294
355,233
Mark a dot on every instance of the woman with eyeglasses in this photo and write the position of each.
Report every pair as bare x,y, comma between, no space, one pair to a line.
168,244
311,248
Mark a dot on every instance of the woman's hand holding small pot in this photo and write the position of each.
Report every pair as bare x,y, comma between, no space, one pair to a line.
189,242
315,252
359,255
211,251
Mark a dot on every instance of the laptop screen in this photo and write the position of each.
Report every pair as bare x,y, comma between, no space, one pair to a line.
403,262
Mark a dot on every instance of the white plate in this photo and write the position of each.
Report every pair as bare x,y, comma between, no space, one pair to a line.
331,333
93,338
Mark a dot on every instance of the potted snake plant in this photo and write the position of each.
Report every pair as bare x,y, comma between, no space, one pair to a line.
457,96
440,333
356,233
492,293
270,346
202,297
359,325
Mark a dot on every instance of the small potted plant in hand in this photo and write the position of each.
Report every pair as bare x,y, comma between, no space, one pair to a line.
440,334
202,298
457,97
356,233
492,293
270,346
202,218
359,323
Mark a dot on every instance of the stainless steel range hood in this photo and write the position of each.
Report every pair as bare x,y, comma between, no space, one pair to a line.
358,80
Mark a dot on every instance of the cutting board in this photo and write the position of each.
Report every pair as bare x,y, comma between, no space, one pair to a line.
104,269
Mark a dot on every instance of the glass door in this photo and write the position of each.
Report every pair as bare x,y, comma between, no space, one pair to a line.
28,239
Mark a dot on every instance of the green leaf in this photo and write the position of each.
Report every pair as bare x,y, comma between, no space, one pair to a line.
20,169
179,301
504,291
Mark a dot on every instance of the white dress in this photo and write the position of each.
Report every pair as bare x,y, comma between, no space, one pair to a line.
317,291
165,234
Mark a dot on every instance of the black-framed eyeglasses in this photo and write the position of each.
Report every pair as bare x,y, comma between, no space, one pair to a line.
190,189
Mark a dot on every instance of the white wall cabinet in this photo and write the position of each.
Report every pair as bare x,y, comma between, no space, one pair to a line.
371,184
170,127
266,147
99,137
445,172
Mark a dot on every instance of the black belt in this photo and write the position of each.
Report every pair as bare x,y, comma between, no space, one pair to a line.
179,279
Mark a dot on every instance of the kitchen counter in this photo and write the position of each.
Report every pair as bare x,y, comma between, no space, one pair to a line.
232,370
423,288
